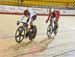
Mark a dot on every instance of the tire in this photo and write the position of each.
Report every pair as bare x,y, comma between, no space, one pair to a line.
19,34
49,31
32,34
55,30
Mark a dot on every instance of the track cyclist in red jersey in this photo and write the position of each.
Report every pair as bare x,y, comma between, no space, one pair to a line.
53,14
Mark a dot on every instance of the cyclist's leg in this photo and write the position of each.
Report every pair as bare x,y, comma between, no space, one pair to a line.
31,24
52,17
55,27
50,21
33,19
26,31
26,28
55,24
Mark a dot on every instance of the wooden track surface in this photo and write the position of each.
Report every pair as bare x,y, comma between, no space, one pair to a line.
62,44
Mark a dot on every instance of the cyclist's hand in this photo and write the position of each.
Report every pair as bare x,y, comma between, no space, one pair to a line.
47,21
18,22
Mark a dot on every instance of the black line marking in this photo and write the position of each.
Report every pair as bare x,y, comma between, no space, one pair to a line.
63,53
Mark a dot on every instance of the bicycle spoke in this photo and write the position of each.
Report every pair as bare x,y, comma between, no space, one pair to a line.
22,35
17,36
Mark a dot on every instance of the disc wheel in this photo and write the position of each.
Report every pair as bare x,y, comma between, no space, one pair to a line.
32,34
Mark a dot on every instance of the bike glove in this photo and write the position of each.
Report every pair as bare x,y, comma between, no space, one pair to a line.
47,21
18,22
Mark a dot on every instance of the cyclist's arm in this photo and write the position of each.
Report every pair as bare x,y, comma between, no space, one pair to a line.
57,14
49,15
22,18
30,19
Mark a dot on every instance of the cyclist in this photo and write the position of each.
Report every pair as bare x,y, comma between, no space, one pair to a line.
53,13
31,17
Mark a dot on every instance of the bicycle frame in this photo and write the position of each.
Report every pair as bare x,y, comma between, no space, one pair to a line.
52,22
25,26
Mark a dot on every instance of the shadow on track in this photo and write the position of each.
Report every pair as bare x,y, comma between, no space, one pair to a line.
26,48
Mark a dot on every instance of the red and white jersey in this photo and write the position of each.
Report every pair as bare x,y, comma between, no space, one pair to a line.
56,13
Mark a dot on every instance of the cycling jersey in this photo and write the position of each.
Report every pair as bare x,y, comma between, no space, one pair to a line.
30,16
55,14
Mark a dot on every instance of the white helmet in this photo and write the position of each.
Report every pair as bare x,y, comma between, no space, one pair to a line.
51,10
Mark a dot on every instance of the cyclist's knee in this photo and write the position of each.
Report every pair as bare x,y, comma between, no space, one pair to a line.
56,24
26,29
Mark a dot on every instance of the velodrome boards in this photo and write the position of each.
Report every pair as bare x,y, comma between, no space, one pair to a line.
38,2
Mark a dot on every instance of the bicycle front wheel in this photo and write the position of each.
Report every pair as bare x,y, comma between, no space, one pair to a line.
49,31
20,34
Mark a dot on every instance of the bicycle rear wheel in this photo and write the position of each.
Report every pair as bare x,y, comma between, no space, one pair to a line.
32,34
55,30
19,34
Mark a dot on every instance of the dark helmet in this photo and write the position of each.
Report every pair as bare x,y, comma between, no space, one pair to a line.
26,12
